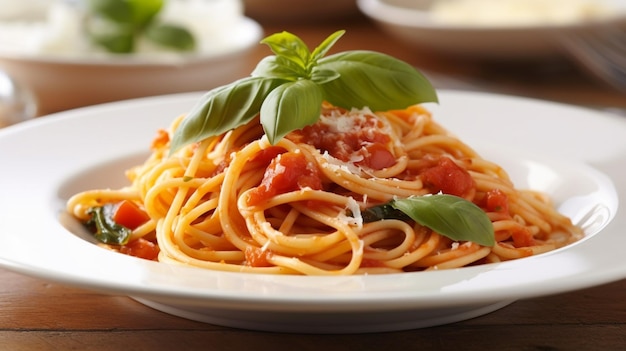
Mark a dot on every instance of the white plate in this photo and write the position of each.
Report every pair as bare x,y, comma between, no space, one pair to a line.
412,23
554,148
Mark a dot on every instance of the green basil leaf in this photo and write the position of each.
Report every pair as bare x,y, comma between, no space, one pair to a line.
322,76
223,109
144,11
107,230
375,80
351,79
322,49
271,67
291,106
115,42
380,212
288,46
115,25
171,36
136,13
119,11
449,215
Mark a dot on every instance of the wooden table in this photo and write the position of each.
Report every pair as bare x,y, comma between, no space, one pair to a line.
40,315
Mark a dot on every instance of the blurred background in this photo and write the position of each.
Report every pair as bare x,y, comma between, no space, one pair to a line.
62,54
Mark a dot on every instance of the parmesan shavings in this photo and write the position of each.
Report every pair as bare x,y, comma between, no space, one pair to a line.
335,164
355,219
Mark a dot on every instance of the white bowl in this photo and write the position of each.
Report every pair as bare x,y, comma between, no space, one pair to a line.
412,22
65,82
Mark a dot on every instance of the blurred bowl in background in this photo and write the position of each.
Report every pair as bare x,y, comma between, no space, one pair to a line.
280,11
62,77
496,29
61,83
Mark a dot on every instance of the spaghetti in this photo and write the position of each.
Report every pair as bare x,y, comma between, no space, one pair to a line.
235,202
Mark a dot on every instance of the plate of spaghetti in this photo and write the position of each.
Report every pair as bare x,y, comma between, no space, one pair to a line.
362,220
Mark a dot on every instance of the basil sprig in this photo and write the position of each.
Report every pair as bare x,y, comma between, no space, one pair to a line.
289,87
448,215
117,24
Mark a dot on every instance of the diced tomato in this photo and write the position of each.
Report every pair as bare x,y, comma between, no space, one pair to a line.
266,155
141,248
160,140
370,263
522,237
287,172
256,257
447,177
378,157
497,201
129,215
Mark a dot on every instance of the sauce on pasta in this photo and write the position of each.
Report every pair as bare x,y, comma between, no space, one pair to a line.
234,202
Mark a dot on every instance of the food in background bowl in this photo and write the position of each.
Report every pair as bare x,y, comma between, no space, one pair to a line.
506,32
53,55
519,12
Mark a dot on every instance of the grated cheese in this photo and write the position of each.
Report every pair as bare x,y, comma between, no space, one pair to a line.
356,219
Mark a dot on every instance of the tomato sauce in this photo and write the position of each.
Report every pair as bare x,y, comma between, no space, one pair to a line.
497,201
256,257
141,248
350,138
289,171
371,263
160,140
447,177
522,237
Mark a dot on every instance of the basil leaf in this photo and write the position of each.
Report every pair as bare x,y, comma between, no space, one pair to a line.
137,13
144,11
119,11
107,230
380,212
120,43
288,46
171,36
278,67
348,80
322,49
291,106
223,109
375,80
116,25
449,215
271,67
321,76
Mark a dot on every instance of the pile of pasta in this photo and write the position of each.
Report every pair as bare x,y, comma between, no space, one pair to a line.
234,202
